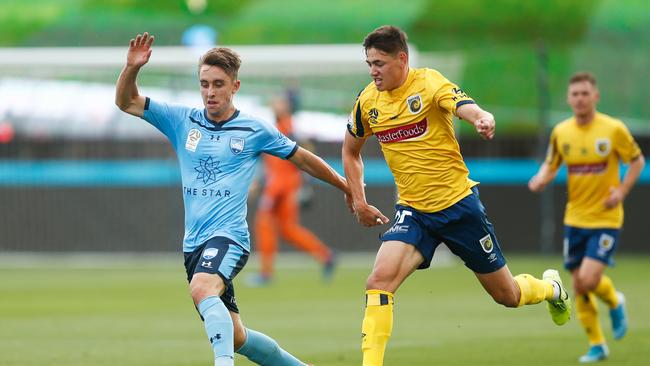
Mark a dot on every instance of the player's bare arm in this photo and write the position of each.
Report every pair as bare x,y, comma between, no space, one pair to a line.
544,176
367,215
618,194
482,120
317,168
127,97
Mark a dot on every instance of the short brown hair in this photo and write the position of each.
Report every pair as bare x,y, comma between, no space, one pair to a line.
581,76
224,58
387,38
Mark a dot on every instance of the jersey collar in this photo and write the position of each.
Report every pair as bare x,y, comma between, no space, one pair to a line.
220,123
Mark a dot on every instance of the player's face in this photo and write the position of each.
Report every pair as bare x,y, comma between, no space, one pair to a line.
217,91
386,70
583,97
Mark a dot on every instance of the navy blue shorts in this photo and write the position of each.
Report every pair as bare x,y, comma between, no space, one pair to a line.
221,256
599,244
463,227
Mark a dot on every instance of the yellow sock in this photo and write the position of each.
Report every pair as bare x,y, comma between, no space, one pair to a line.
532,290
377,326
606,292
587,311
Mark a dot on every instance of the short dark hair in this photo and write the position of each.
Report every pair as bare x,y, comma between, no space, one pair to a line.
581,76
224,58
387,38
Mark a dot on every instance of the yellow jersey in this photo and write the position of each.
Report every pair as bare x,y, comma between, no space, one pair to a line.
413,124
591,153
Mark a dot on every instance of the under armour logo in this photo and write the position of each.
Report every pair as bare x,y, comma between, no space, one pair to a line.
215,338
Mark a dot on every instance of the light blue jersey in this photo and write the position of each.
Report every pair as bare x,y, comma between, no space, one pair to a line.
217,162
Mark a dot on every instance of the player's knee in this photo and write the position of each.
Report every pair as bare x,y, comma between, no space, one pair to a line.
379,280
203,285
584,284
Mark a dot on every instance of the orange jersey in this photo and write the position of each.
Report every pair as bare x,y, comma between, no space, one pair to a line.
592,153
414,126
280,173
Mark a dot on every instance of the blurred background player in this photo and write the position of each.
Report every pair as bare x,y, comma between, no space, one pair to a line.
410,112
591,144
278,210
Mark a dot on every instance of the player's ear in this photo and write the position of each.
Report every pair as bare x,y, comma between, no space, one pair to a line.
237,84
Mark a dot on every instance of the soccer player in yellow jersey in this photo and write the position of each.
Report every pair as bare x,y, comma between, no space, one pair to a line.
591,144
410,112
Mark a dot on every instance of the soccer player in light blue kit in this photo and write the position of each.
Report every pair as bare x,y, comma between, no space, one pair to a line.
217,149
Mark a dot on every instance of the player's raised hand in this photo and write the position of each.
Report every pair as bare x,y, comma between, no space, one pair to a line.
485,127
369,215
139,50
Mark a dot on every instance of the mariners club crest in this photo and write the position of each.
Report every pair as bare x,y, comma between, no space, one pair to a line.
603,147
415,103
486,243
236,145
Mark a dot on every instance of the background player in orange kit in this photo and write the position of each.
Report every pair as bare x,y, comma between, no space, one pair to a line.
278,211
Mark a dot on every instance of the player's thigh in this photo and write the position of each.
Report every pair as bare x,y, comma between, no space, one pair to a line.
287,208
395,261
468,234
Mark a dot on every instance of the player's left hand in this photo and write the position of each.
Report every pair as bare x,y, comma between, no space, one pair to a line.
485,127
616,196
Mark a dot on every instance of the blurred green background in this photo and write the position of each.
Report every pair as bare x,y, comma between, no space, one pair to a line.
517,55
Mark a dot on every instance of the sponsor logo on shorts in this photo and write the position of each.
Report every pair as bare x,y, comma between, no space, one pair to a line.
398,229
206,264
402,132
486,243
210,253
492,257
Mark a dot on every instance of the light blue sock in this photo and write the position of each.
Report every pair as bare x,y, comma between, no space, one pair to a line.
218,326
264,351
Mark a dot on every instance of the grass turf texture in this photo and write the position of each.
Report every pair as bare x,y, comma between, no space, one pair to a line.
99,311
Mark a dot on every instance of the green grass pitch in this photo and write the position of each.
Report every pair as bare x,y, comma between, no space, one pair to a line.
136,311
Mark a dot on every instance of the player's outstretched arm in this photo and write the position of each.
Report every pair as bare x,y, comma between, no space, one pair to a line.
544,176
318,168
367,215
618,194
481,120
127,97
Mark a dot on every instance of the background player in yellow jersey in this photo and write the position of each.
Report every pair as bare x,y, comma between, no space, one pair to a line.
591,144
410,112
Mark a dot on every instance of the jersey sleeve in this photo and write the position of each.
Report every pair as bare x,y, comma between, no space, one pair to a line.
165,117
553,156
357,125
276,143
625,145
449,96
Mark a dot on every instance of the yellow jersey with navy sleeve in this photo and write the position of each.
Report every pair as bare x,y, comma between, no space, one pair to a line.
592,153
414,126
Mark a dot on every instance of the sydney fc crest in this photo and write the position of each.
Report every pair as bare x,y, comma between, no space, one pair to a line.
236,145
415,103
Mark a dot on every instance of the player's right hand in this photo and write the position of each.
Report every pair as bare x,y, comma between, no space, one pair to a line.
139,50
368,215
535,184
